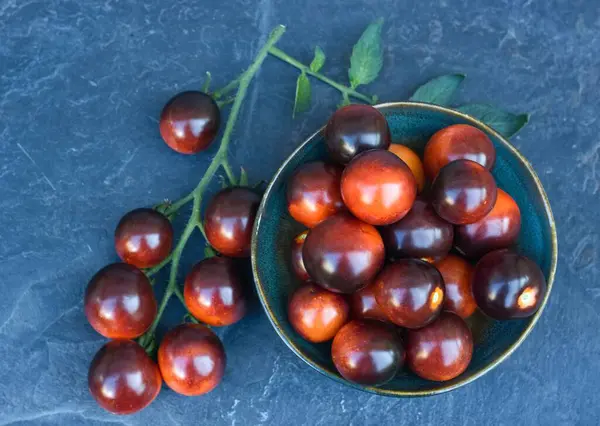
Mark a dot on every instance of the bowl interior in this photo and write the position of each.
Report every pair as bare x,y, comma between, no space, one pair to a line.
411,124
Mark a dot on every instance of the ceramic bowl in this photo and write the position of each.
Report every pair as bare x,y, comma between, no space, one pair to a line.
411,124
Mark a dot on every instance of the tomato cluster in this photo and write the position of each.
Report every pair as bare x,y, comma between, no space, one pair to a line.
399,245
119,300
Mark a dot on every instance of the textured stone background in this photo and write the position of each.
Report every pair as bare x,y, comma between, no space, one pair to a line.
81,86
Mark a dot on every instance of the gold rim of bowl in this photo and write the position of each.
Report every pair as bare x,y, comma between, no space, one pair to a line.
465,378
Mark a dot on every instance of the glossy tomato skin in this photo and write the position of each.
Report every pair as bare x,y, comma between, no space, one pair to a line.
442,350
507,285
297,262
343,254
413,161
378,187
410,292
500,228
367,352
458,275
317,314
458,142
229,219
421,233
463,192
354,129
119,302
143,238
189,122
122,378
363,305
213,292
191,359
313,193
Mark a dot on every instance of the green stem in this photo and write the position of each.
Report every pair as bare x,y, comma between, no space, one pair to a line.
154,270
229,173
347,91
228,88
179,295
179,204
219,160
201,229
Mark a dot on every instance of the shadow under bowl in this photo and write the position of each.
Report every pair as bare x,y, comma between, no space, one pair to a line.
411,124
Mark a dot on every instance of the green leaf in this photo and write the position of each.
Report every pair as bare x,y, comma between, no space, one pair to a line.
206,85
302,101
243,177
367,56
439,90
318,61
506,123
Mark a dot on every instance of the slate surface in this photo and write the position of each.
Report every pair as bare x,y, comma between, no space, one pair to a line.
81,86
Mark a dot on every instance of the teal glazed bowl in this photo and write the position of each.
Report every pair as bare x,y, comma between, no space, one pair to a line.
411,124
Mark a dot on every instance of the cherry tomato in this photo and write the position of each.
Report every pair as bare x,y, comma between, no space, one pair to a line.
213,292
317,314
122,378
191,359
189,122
119,302
144,238
313,193
442,350
229,219
458,142
354,129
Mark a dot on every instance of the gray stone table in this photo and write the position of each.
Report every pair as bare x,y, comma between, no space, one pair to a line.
81,86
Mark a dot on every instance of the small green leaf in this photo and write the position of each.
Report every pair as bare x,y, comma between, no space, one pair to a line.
438,91
243,177
367,56
209,252
206,85
302,101
506,123
318,61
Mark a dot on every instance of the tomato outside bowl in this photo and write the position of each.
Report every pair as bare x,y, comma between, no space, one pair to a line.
411,124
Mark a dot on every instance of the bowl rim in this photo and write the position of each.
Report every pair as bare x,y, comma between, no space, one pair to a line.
443,388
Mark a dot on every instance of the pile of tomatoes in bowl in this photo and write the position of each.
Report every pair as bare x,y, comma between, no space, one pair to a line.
400,250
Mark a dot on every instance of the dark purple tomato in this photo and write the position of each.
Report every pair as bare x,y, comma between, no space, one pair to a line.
297,262
343,254
354,129
229,219
458,275
442,350
189,122
458,142
410,292
213,292
378,187
498,229
421,233
119,302
317,314
144,238
191,359
122,378
508,285
463,192
367,352
313,193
